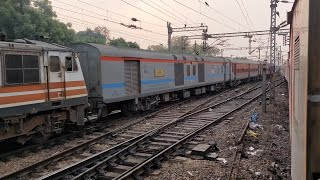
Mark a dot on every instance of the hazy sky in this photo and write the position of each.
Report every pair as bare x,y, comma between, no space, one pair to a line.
222,16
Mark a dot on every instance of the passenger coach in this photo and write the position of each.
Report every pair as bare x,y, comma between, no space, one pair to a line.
134,80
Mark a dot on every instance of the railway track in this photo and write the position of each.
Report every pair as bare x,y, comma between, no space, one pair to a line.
99,127
96,143
146,152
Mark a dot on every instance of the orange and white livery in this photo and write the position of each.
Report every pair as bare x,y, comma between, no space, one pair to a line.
42,89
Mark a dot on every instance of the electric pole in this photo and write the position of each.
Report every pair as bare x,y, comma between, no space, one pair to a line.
273,30
264,86
169,35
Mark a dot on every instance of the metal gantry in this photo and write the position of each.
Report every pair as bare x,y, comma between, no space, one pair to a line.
245,34
237,34
259,48
171,30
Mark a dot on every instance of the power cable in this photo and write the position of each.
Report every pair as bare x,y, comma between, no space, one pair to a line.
177,11
225,16
115,30
168,12
144,11
112,21
244,15
119,14
204,15
178,20
247,13
147,12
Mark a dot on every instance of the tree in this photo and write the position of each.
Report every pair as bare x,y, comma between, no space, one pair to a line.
158,48
99,35
120,42
23,19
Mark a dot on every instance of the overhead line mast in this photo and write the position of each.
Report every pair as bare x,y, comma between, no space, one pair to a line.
171,30
273,31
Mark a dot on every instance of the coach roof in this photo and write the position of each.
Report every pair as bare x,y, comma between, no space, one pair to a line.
26,44
106,50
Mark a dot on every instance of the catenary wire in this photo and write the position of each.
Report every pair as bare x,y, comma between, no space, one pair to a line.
205,15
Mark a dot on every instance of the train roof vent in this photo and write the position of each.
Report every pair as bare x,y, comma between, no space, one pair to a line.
184,58
174,57
202,59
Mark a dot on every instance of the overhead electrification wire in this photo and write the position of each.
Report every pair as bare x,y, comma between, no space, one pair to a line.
244,15
106,19
119,14
205,15
85,10
247,13
86,15
177,11
147,12
225,15
144,11
112,30
162,12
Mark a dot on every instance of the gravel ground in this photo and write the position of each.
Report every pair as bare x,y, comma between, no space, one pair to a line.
274,140
272,143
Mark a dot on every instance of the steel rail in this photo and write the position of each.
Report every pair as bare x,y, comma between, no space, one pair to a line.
152,160
86,162
45,162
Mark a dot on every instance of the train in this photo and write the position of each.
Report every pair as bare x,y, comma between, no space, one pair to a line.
302,73
46,88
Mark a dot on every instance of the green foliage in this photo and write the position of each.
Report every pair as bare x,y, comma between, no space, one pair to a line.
158,48
23,19
120,42
89,36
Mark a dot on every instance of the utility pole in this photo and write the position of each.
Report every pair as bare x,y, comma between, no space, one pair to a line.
273,30
250,42
264,86
183,44
169,35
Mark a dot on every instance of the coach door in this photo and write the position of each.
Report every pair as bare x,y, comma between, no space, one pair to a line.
179,74
201,75
56,73
132,77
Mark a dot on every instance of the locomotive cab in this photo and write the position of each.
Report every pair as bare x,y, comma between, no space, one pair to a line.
42,90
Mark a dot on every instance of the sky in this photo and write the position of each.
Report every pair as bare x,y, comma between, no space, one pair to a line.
221,16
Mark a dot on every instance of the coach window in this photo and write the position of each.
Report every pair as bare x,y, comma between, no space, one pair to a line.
54,64
21,69
71,64
188,70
